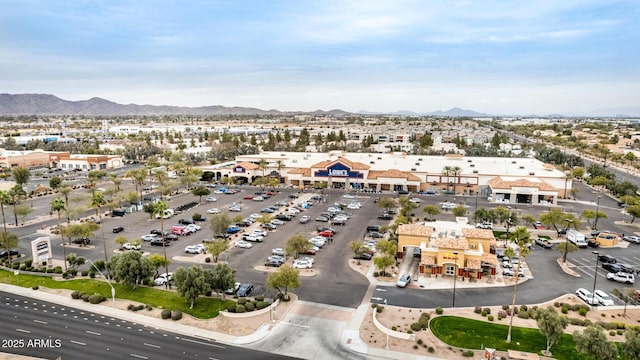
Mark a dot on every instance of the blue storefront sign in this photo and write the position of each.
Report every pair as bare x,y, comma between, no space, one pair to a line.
339,170
238,169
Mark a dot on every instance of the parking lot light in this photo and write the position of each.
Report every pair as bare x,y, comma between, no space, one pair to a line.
113,290
566,240
595,277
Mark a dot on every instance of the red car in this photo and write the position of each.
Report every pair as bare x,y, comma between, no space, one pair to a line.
248,197
326,233
310,252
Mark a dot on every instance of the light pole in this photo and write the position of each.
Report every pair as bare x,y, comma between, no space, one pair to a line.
455,277
595,277
595,222
113,290
566,241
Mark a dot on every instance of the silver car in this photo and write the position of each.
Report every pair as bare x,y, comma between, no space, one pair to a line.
404,281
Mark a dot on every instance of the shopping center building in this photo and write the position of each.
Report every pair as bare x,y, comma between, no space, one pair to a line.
505,180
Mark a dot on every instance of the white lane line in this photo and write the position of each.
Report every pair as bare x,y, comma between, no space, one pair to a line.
23,331
151,345
203,343
298,325
77,342
40,322
138,356
212,358
92,332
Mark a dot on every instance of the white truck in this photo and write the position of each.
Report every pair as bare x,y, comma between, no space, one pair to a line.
576,238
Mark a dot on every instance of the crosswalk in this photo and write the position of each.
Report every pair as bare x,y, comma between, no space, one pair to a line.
585,266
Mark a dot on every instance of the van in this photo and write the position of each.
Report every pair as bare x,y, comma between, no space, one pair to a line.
576,238
373,228
118,212
179,230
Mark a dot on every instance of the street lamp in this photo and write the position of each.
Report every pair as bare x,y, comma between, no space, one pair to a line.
113,290
595,222
595,277
455,276
566,240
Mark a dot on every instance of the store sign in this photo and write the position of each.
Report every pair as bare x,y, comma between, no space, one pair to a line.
238,169
339,170
450,256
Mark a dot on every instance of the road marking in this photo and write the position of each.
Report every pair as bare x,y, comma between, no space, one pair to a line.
202,343
138,356
379,289
77,342
298,325
40,322
212,358
23,331
377,298
92,332
151,345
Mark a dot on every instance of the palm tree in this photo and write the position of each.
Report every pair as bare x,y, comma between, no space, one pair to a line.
4,199
262,164
159,209
15,194
138,176
522,238
58,205
65,190
97,201
117,181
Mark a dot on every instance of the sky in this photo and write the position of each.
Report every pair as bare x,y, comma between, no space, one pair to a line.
491,56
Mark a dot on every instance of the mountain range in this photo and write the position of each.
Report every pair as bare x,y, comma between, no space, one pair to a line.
46,104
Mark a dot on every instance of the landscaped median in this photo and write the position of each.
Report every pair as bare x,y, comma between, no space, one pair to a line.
204,308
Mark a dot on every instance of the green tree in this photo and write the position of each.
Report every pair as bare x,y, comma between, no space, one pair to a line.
631,344
130,269
20,175
551,324
16,194
565,248
358,249
22,211
222,277
522,238
157,261
431,211
219,224
201,191
97,202
383,262
627,295
557,219
634,211
75,261
120,241
283,279
459,210
387,203
216,247
8,241
593,342
55,182
297,244
191,283
5,199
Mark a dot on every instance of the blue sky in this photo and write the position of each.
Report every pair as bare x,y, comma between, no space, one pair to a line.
499,57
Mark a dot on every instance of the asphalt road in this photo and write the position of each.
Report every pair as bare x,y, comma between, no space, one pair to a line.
46,330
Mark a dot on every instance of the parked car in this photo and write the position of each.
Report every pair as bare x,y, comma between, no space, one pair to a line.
611,267
586,296
364,256
252,237
213,211
305,219
278,251
268,226
385,216
267,210
149,237
233,230
622,277
186,221
82,241
511,272
607,259
277,222
545,243
273,263
302,264
158,242
259,232
602,298
593,243
322,218
195,249
632,239
484,225
293,196
233,290
163,279
130,246
404,280
626,268
245,290
284,217
118,229
375,235
5,254
243,244
211,199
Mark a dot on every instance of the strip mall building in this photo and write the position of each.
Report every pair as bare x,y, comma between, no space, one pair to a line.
505,180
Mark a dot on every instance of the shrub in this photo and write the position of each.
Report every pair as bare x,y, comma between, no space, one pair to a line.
505,307
483,313
524,308
394,328
242,301
612,333
35,287
92,274
439,310
419,341
259,297
490,317
487,310
240,309
57,270
582,311
415,347
208,293
96,298
261,305
249,306
207,259
15,265
502,314
373,306
424,320
231,307
176,315
76,295
376,274
523,314
165,314
149,307
556,304
431,349
85,297
477,310
468,353
85,273
565,309
379,309
28,262
575,321
73,272
409,332
416,326
620,332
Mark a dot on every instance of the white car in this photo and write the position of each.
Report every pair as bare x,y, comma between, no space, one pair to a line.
622,277
194,249
243,244
404,281
278,251
353,206
211,199
162,279
307,258
277,222
258,198
213,211
415,200
254,216
235,208
302,264
194,227
448,205
511,272
218,192
129,246
305,219
149,237
259,232
602,298
252,237
586,296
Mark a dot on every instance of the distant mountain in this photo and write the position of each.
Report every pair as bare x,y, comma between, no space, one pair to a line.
44,104
454,112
